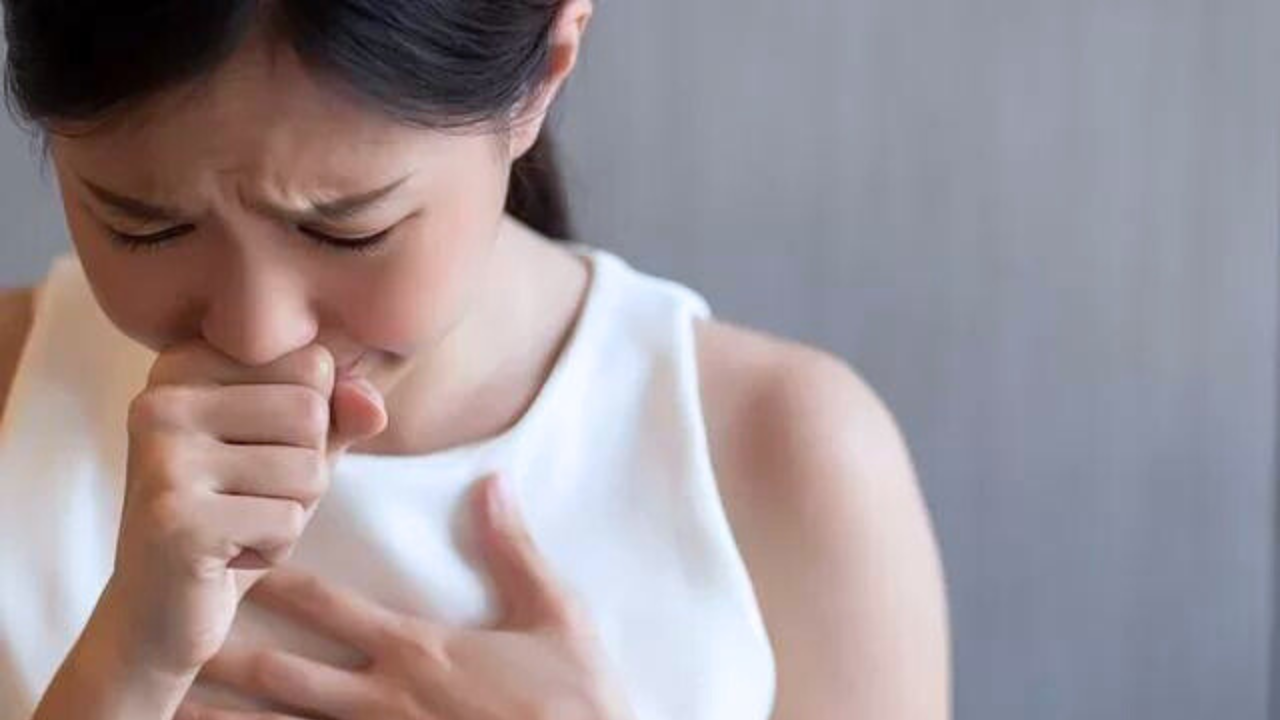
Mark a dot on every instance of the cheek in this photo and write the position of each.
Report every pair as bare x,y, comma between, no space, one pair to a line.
144,296
442,265
148,306
421,292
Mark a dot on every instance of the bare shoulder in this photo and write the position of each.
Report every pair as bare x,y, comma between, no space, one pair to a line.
15,321
824,504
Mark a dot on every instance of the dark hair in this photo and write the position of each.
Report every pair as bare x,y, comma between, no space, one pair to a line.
441,64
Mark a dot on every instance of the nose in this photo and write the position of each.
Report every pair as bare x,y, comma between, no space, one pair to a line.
258,314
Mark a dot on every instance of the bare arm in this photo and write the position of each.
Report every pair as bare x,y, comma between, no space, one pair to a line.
830,520
92,683
15,321
102,679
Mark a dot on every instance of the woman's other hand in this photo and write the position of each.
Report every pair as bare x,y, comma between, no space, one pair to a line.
542,659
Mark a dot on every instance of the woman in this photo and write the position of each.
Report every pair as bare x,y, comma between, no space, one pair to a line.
323,418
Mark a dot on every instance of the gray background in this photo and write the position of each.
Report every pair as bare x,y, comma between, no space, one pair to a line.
1046,230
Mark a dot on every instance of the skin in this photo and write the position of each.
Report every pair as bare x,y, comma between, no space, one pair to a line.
15,319
465,307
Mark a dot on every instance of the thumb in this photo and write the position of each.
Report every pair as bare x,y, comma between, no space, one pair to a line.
358,413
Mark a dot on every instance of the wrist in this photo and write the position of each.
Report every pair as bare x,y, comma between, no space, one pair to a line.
118,638
107,674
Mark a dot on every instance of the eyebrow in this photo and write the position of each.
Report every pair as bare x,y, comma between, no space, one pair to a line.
344,207
140,209
330,210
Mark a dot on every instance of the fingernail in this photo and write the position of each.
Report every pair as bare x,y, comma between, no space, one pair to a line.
329,370
499,500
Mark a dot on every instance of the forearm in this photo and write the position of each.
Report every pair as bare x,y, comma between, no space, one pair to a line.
102,678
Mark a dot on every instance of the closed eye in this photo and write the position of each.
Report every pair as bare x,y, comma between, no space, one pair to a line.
152,241
149,240
366,243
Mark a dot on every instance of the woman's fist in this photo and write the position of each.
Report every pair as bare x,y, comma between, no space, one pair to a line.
226,465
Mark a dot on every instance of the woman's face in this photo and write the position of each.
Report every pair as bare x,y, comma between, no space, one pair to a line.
256,186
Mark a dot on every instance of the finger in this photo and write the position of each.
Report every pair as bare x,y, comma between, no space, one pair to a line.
291,680
358,413
197,362
196,711
529,592
286,473
234,524
263,415
337,612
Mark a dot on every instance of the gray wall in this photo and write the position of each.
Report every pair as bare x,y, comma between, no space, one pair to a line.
31,226
1046,230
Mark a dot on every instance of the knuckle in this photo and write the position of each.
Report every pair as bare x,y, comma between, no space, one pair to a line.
278,556
314,477
173,530
155,408
166,462
293,521
316,368
165,368
301,474
166,512
161,370
422,646
176,362
312,411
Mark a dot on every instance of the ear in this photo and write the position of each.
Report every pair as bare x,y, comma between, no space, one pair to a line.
564,43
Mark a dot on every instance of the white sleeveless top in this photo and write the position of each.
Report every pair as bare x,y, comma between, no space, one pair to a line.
609,466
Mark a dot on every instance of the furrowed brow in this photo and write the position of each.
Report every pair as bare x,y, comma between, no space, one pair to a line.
141,209
345,207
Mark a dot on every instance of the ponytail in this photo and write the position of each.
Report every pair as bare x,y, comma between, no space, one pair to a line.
537,194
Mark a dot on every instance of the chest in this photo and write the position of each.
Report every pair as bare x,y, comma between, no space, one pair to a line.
675,618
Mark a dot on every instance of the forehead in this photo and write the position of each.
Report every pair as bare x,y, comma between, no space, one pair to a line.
262,113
